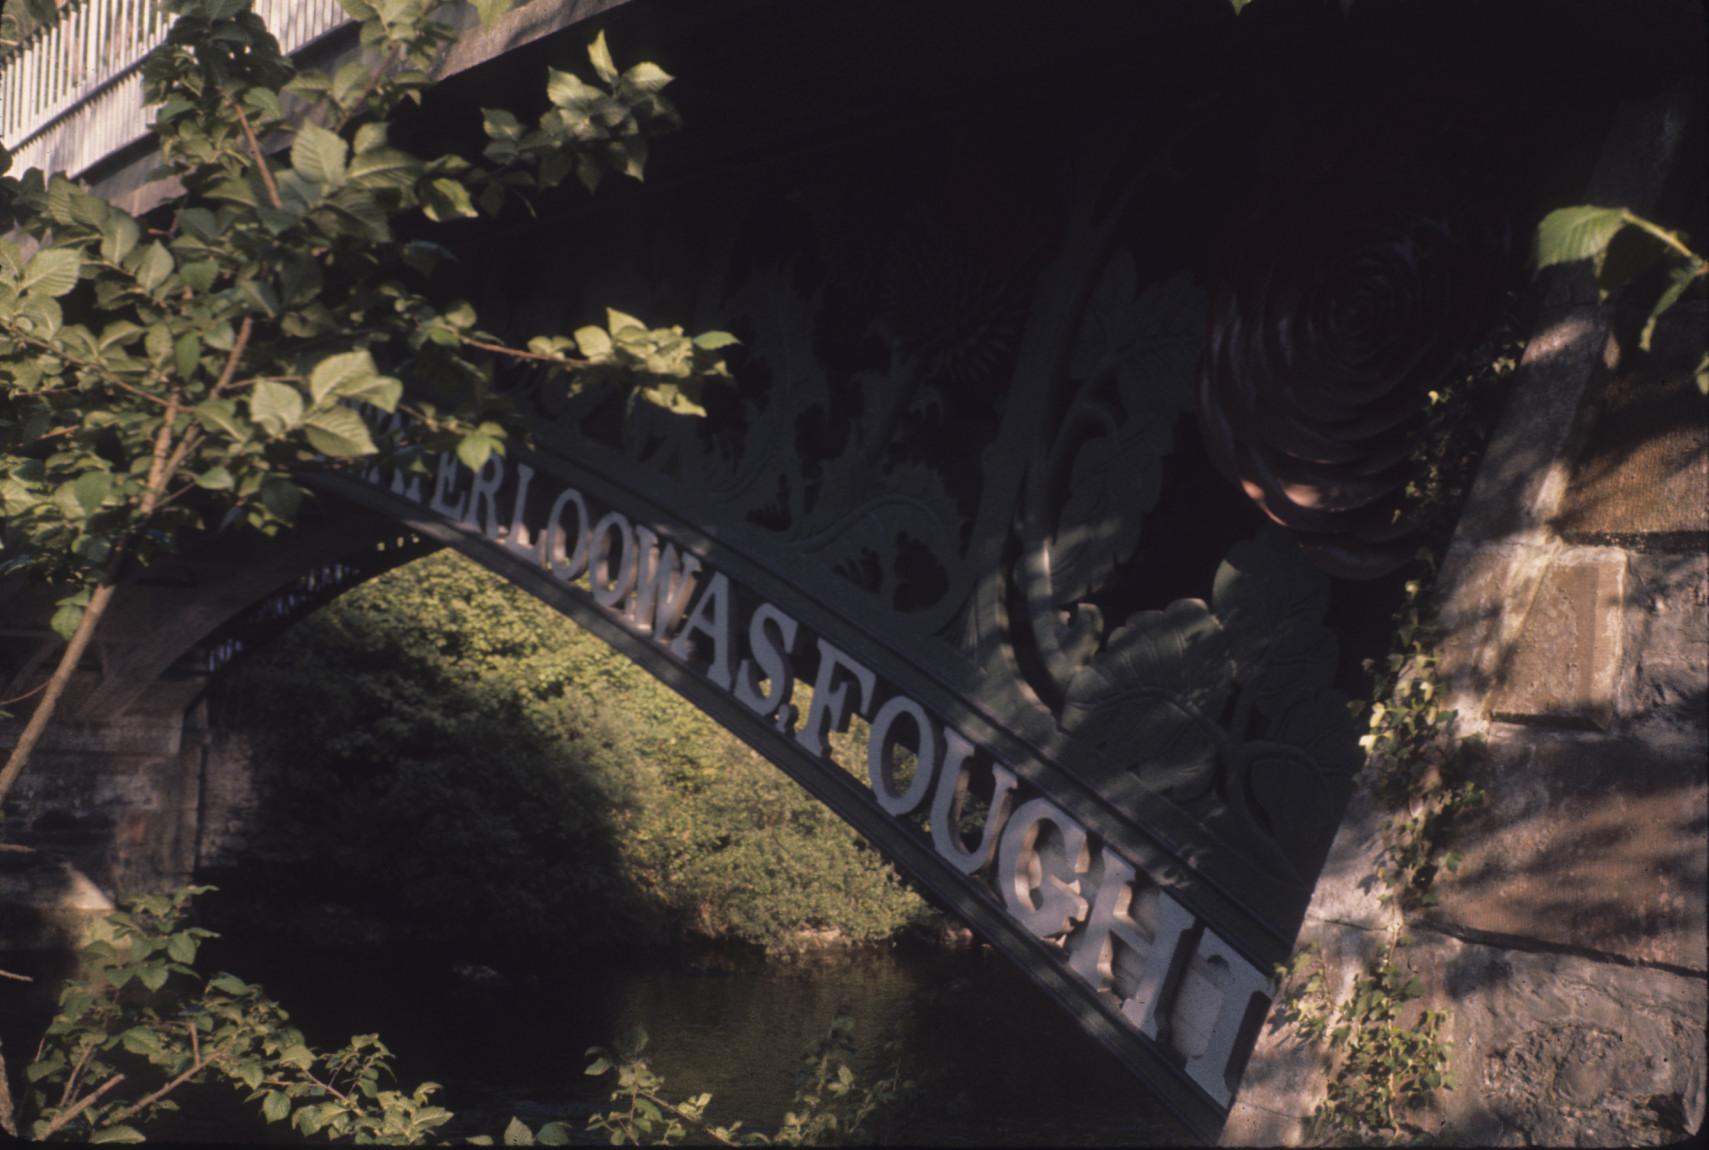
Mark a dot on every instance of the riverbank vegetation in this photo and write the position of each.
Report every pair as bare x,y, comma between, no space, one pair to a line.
573,803
139,1025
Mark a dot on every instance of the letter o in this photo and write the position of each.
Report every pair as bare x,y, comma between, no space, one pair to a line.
609,591
880,745
566,567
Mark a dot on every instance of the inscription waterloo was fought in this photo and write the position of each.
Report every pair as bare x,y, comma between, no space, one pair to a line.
956,490
1167,976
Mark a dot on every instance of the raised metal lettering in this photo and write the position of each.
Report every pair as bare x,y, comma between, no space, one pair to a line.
1216,994
1030,865
711,618
772,659
610,589
484,489
516,536
881,751
830,705
951,796
444,484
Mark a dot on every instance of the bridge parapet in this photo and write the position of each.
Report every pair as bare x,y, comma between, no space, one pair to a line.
71,94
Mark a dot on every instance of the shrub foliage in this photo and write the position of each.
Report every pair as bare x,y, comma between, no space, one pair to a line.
460,751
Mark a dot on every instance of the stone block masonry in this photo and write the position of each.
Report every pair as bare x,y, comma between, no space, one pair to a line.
1570,945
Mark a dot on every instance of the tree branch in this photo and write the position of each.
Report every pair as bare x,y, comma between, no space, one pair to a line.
99,600
8,1123
237,348
196,1067
73,654
87,365
157,468
19,699
59,1123
517,353
71,1079
260,156
1698,266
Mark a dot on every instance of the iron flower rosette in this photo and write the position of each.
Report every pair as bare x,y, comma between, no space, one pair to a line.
1335,310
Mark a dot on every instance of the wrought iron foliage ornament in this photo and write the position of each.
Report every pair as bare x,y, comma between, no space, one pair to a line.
1338,306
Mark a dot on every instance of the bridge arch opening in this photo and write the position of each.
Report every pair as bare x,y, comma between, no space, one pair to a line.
611,765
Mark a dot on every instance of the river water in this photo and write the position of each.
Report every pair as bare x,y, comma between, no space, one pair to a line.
995,1062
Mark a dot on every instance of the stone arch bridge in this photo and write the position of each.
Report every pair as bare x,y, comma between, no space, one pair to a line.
1081,359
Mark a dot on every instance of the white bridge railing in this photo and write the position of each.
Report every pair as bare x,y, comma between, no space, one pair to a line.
71,94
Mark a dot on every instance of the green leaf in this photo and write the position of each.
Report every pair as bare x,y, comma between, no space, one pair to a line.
593,342
340,433
516,1134
52,272
369,137
384,168
276,1105
214,479
11,263
153,975
119,236
36,1071
116,1134
597,1067
199,275
282,497
620,322
553,1134
447,199
277,407
332,374
1576,233
249,1073
221,415
65,621
320,155
647,77
154,267
182,947
262,295
600,55
297,1055
187,354
714,340
474,448
140,1040
567,90
500,124
424,256
92,489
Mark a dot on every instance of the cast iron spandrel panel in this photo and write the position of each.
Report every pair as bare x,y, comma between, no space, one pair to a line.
1075,356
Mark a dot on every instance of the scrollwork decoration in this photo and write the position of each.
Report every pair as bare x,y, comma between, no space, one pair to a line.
1132,361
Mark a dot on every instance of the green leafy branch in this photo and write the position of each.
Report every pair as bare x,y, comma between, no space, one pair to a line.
138,1022
1388,1058
828,1107
178,373
1391,1059
1587,232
